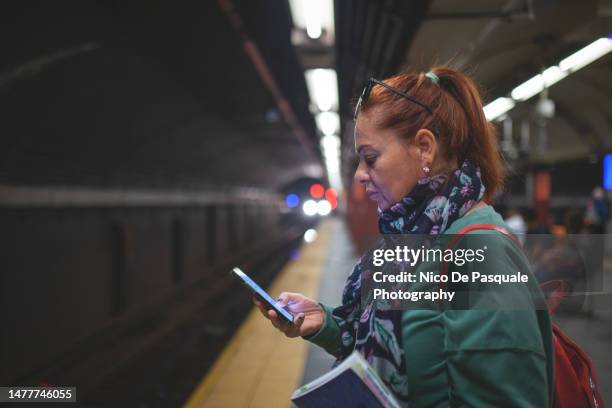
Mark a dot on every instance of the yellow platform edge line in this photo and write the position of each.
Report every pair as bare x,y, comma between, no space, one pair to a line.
200,393
216,371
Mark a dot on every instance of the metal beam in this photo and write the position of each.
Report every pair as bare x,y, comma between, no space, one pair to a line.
253,53
58,197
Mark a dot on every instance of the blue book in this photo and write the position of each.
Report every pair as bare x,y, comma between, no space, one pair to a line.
353,383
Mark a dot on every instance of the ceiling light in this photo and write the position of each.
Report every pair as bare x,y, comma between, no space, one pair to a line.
553,75
328,123
586,55
549,77
498,107
313,16
322,86
528,89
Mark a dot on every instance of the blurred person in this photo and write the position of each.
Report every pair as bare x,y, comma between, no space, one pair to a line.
597,212
564,260
574,223
515,221
535,225
428,157
537,239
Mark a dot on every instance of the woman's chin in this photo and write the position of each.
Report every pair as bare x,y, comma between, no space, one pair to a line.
380,201
383,205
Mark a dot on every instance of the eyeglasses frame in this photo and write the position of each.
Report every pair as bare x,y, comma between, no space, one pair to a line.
365,93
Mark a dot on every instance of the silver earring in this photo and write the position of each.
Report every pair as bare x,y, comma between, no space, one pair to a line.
426,169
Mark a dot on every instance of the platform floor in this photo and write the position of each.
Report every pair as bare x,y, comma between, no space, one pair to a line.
340,262
260,367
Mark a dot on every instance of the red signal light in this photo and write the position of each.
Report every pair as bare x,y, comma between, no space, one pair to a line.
317,190
330,194
334,202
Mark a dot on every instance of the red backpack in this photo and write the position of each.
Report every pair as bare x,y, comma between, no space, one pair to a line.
575,383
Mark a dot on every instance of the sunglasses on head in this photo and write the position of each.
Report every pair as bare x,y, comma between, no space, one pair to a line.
373,81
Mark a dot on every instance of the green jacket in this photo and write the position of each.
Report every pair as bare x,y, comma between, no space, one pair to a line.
499,353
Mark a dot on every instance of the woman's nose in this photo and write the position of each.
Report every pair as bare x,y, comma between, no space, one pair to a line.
361,176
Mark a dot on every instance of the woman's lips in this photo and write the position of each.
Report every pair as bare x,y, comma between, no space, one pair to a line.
372,194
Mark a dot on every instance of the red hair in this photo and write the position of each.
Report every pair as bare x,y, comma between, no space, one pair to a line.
458,119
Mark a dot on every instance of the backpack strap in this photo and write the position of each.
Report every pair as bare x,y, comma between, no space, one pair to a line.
473,227
555,290
457,236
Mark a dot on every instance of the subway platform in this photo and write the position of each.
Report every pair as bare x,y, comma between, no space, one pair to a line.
260,367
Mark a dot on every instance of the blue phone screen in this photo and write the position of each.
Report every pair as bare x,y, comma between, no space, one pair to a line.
262,293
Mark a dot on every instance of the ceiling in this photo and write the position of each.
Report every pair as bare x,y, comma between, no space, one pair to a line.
501,43
193,94
155,94
504,52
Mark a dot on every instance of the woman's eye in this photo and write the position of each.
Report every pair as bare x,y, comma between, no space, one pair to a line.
370,160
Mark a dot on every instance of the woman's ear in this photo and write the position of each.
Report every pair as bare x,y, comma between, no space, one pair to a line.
426,142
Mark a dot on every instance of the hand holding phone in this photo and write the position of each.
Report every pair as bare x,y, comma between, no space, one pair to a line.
309,315
293,313
263,296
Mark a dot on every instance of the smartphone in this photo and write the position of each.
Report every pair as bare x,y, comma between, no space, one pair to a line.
269,303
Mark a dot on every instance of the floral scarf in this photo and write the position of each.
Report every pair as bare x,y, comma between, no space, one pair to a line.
430,208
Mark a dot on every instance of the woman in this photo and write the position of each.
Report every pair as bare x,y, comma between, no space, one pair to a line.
428,157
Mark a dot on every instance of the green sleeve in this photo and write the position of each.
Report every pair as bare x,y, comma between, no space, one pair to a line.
489,355
328,336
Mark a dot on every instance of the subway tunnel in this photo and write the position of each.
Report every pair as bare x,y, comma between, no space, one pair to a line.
146,148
